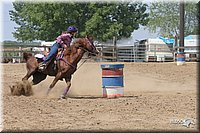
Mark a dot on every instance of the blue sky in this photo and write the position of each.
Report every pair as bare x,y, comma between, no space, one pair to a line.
7,26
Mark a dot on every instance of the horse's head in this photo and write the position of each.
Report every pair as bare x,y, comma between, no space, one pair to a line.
89,46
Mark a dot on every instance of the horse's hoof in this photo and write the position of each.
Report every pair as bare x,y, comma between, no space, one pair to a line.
62,98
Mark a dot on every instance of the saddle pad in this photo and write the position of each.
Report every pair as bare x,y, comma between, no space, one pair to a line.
41,56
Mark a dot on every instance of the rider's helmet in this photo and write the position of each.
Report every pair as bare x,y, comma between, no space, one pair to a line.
72,29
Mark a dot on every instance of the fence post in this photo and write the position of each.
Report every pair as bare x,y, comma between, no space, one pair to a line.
101,51
115,48
181,54
175,47
20,55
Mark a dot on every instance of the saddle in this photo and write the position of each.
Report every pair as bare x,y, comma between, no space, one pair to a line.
41,57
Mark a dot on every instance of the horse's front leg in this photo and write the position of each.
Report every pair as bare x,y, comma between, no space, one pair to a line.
58,76
68,82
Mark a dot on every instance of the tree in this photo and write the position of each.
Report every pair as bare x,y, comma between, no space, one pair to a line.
198,16
114,19
45,21
165,16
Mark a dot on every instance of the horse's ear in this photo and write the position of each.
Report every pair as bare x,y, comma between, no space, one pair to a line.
26,55
89,37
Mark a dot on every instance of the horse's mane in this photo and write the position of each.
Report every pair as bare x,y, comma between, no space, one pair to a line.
80,41
26,55
77,42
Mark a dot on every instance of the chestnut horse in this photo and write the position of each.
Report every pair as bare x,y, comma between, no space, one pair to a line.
64,67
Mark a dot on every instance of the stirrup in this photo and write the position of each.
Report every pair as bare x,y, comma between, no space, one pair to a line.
42,67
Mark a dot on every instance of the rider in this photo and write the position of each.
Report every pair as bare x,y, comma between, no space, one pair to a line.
62,41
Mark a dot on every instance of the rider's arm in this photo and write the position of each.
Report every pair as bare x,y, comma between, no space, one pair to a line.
64,39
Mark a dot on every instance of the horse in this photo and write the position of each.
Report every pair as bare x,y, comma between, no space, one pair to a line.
64,67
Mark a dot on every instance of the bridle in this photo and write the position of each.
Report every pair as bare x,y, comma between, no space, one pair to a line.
93,47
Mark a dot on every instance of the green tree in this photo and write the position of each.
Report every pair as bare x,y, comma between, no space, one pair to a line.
45,21
198,16
116,19
165,17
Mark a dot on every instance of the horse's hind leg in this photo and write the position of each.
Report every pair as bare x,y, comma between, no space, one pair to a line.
29,73
68,82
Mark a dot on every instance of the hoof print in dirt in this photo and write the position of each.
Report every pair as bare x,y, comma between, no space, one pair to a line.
21,88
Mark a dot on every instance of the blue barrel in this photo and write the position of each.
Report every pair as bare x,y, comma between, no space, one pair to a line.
112,80
180,58
111,66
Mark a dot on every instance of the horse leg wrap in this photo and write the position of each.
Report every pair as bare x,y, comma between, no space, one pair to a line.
66,91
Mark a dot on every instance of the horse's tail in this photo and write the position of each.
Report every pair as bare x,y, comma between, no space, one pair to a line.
26,56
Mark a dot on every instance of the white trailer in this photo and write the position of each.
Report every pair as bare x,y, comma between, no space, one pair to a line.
157,50
191,48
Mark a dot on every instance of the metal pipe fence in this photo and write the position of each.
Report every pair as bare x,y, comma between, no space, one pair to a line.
135,53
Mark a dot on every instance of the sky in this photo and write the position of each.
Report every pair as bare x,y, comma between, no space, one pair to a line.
7,26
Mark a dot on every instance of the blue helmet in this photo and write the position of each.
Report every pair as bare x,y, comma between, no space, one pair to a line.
72,29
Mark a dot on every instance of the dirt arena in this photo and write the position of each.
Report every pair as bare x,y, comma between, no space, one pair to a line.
157,96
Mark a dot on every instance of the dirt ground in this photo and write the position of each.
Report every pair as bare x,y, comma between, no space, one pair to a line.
157,96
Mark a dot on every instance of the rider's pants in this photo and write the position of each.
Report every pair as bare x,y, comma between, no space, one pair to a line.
53,52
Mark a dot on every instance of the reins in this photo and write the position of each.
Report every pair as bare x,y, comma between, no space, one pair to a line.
98,56
81,64
86,58
86,50
61,58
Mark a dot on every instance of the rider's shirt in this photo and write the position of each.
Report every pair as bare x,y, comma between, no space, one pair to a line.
64,39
